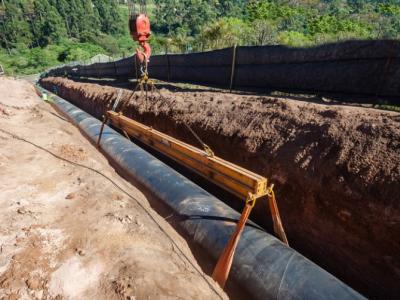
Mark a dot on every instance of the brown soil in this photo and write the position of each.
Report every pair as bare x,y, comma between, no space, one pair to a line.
336,168
68,233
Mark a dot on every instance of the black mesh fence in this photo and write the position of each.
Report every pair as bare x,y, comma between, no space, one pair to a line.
353,67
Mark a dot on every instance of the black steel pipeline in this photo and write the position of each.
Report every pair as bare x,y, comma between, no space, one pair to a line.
263,265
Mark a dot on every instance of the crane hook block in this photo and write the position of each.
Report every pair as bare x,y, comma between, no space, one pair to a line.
139,27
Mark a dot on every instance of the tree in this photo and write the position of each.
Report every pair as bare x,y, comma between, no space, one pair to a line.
264,32
170,15
82,18
294,39
110,20
15,28
225,32
48,25
63,8
230,8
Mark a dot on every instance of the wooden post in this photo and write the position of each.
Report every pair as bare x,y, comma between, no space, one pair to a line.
136,68
233,68
168,68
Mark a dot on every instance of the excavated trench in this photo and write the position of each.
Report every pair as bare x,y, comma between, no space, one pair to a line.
336,168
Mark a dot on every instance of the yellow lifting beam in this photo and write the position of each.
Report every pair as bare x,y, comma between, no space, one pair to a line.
243,183
236,180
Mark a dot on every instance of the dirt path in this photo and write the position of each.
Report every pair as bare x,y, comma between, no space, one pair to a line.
67,232
336,168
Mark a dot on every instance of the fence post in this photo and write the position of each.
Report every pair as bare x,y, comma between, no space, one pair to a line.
168,68
233,68
136,69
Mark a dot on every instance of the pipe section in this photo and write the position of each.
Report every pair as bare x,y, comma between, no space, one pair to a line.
263,265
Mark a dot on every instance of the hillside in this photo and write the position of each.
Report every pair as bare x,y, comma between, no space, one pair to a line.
37,34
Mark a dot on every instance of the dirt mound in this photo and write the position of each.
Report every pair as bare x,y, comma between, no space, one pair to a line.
68,233
336,168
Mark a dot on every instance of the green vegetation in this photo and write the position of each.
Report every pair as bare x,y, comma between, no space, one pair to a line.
214,24
37,34
395,108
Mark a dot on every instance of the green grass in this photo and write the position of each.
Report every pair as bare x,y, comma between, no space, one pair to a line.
395,108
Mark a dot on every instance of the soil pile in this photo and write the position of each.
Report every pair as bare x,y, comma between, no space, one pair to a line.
336,168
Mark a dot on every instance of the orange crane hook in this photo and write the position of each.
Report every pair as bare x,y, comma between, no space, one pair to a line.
139,26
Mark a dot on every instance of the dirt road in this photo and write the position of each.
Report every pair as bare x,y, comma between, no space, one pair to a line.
336,168
67,232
